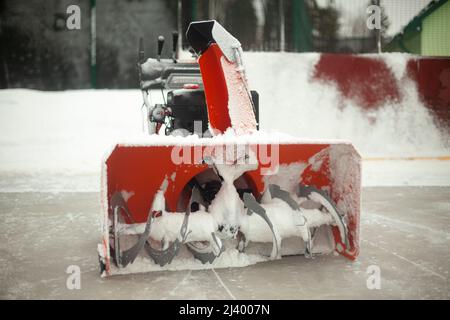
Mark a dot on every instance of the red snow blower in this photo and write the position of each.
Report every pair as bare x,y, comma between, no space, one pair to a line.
181,198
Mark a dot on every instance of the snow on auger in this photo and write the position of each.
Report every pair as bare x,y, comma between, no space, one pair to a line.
180,200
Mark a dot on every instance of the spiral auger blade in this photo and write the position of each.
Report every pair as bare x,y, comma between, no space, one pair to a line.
254,207
321,197
277,192
207,253
165,256
123,258
215,247
160,257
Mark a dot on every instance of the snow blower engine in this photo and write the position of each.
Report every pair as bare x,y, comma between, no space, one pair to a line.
234,196
173,93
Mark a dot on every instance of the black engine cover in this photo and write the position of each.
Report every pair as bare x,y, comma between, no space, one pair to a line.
190,105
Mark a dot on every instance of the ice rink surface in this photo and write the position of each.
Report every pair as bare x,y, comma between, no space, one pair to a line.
405,233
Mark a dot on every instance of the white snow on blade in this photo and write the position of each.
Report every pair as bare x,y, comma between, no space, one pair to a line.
202,224
159,203
228,259
284,221
239,102
227,207
126,194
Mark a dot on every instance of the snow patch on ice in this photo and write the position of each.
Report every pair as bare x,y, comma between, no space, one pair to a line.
228,259
406,173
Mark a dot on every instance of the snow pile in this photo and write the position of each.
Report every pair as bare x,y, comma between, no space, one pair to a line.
54,141
184,261
291,102
229,137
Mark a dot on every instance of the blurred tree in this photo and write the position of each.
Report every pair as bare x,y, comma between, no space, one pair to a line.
240,21
258,6
38,53
108,66
271,26
325,21
120,24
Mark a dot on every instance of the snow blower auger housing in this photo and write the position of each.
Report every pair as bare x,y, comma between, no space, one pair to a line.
234,198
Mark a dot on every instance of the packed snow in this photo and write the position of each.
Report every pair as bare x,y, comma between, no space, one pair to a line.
287,93
241,115
228,259
55,141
